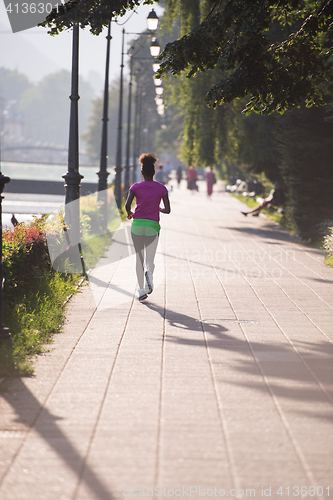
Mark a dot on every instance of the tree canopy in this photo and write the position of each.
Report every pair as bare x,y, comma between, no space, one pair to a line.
278,53
93,13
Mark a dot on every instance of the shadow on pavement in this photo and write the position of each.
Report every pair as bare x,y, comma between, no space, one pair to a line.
106,284
32,414
271,231
185,322
276,361
320,280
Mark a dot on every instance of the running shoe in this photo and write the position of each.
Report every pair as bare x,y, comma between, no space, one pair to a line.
149,286
142,294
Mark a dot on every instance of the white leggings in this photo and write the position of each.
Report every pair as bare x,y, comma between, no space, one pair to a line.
144,245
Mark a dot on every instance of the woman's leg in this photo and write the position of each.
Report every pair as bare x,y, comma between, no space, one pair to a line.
151,247
139,244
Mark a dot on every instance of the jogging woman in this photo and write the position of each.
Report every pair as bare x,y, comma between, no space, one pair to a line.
145,226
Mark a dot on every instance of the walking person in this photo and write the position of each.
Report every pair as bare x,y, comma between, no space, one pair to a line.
210,180
145,226
192,179
179,175
167,171
160,176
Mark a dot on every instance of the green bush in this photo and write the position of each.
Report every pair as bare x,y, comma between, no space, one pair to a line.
328,245
306,148
33,297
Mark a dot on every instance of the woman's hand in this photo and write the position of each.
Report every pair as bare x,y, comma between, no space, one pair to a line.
166,202
128,204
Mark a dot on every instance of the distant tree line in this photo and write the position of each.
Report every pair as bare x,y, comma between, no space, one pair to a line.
45,105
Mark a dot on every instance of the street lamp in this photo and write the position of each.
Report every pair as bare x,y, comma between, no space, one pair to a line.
156,67
154,48
152,20
160,109
127,166
117,185
103,173
73,177
4,331
137,116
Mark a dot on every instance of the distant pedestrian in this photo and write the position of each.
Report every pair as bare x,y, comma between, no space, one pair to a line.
145,226
159,176
192,177
179,174
167,171
210,180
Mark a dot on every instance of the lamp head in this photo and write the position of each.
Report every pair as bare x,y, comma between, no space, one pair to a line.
154,48
152,21
160,109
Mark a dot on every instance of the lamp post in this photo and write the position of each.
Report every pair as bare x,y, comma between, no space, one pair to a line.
103,173
118,169
4,331
152,23
73,177
138,140
127,167
135,142
159,91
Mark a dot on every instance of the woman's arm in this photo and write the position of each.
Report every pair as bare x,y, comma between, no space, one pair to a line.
166,201
128,203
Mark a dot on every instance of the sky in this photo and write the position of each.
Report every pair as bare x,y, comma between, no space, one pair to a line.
36,54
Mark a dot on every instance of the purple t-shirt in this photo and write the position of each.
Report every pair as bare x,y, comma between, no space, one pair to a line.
148,196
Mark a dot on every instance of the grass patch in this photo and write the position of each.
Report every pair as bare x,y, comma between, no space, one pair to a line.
329,260
33,319
94,248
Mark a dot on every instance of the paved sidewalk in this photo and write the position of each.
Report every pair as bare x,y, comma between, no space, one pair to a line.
220,384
